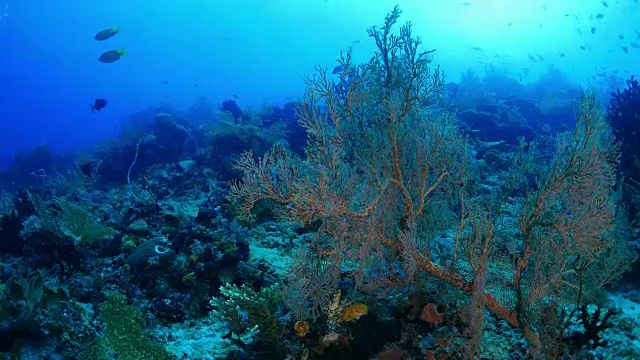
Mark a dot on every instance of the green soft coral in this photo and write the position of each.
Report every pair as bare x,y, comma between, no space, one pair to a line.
124,331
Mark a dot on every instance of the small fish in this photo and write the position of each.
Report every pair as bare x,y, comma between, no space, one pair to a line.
338,70
98,105
621,37
599,16
107,34
475,48
593,30
165,82
196,86
88,168
540,57
509,24
635,45
235,96
465,3
604,3
583,47
531,57
561,54
111,56
625,49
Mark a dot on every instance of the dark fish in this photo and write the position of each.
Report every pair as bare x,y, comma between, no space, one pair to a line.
196,86
593,30
561,54
88,168
540,57
635,45
165,82
107,34
604,3
582,47
625,49
98,105
599,16
509,24
338,69
111,56
532,58
475,48
235,96
621,37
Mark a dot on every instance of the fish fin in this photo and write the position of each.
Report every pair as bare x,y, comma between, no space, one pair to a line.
122,52
118,30
93,108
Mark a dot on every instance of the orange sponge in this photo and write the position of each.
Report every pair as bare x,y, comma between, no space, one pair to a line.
353,312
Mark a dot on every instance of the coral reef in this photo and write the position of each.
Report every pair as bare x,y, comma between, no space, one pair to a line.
386,215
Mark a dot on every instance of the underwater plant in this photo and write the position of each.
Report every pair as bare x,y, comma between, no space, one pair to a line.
385,168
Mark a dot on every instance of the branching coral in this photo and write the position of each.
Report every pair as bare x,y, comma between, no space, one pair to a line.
383,167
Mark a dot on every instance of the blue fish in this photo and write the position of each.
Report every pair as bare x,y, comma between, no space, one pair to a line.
98,105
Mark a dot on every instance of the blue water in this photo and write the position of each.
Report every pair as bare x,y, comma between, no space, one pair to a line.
261,51
391,215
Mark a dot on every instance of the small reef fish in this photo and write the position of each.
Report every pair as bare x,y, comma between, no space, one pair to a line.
107,34
635,45
338,70
98,105
625,49
111,56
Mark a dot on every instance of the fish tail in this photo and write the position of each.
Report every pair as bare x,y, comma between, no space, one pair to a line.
118,29
123,52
